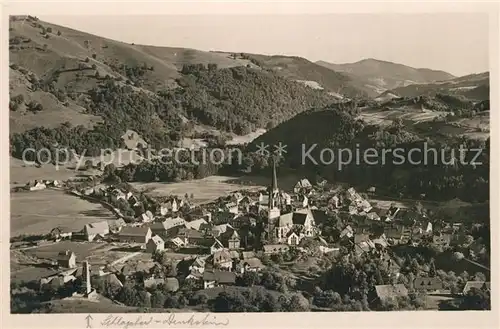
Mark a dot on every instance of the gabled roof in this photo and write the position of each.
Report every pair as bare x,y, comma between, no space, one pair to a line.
387,291
303,183
195,224
97,227
476,284
217,244
219,276
190,233
253,262
248,254
157,240
134,231
221,256
168,224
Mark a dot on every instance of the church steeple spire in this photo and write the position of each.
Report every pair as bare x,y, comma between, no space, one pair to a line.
274,194
274,184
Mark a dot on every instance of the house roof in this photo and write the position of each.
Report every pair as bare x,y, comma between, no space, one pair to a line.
253,262
157,240
217,244
195,224
134,231
219,276
199,262
248,254
304,182
476,284
168,224
387,291
97,227
190,233
221,256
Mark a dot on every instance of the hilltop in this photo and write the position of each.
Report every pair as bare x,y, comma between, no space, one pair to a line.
300,69
376,76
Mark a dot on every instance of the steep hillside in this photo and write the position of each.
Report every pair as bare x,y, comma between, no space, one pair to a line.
75,89
377,76
475,87
300,69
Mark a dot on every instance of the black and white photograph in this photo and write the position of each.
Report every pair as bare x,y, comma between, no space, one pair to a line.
208,164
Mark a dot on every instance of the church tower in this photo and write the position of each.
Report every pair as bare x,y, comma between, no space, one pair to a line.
274,195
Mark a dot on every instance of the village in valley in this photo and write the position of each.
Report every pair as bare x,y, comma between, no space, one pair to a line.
170,253
147,178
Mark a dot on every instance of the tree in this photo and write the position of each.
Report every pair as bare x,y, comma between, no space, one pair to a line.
298,303
476,299
49,30
94,56
87,59
250,279
59,33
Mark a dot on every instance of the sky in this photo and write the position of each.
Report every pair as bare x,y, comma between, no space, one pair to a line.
453,42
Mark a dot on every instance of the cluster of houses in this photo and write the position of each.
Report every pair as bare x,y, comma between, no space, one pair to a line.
222,233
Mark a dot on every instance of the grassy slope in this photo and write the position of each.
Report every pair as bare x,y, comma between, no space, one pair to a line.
71,48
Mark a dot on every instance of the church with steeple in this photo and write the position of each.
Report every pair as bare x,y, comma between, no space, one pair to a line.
274,202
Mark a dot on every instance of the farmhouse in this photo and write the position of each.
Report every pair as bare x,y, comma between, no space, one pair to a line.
217,278
155,244
190,236
91,231
66,259
163,228
135,235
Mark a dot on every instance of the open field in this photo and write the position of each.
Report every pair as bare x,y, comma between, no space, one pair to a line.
21,173
38,212
422,122
204,190
213,187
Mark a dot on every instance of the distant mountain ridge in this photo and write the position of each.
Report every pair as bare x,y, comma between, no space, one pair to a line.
475,87
376,76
